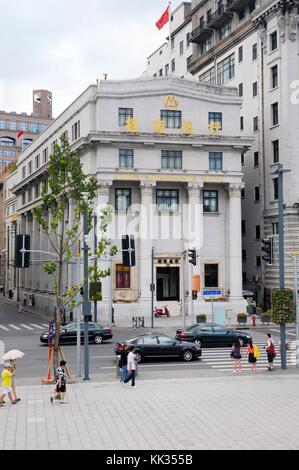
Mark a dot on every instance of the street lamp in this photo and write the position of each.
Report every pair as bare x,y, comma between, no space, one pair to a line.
86,303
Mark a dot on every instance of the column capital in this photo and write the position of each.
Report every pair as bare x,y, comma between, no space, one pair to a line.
194,189
147,187
104,187
234,190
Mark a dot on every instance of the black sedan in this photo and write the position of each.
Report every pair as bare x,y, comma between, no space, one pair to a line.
151,346
212,335
68,333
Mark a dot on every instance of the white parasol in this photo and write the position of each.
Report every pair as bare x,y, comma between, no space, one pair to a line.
14,354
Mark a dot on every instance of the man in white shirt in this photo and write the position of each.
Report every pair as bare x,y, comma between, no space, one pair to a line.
131,366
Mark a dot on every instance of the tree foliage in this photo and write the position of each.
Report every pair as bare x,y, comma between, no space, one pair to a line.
283,306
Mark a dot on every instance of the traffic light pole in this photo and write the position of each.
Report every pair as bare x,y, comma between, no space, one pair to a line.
192,299
86,303
95,223
281,261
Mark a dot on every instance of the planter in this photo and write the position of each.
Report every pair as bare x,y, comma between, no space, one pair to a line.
265,319
242,318
201,319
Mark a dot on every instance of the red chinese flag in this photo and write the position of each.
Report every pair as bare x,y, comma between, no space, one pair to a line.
164,19
20,134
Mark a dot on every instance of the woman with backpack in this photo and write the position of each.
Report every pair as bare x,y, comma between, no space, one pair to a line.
270,349
236,355
253,355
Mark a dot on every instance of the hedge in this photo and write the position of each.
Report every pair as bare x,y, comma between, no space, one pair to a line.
283,306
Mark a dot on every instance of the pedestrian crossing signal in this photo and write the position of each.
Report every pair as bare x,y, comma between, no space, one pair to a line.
128,250
192,257
22,254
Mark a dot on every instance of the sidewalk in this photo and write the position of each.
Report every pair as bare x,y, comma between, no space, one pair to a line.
243,412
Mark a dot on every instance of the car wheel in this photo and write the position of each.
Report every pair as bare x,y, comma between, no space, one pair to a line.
187,355
138,357
197,341
98,339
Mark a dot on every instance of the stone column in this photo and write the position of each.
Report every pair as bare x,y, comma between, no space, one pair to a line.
146,239
103,199
235,242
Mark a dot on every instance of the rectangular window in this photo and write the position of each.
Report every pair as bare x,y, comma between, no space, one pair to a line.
181,47
173,65
208,77
211,275
225,30
161,73
123,277
45,155
23,199
274,113
257,232
226,69
29,168
254,52
23,126
240,54
188,39
275,228
258,261
256,158
167,199
257,194
275,150
37,162
37,191
242,158
13,126
275,187
216,118
273,41
241,15
29,195
126,158
251,6
171,119
209,16
24,172
216,161
244,277
254,89
240,89
241,123
123,115
34,128
243,227
123,199
172,42
210,201
75,131
255,124
242,193
201,22
166,70
274,76
2,124
171,159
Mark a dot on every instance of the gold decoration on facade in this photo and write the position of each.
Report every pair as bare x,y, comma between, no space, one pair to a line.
171,102
187,128
214,128
132,125
159,126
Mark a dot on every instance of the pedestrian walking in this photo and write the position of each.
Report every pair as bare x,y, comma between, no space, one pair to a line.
19,306
236,355
60,389
123,363
253,355
131,364
25,300
7,385
270,349
13,364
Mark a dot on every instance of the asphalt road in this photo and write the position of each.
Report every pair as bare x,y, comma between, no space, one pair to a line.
22,331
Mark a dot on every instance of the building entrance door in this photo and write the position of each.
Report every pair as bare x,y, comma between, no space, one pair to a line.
168,284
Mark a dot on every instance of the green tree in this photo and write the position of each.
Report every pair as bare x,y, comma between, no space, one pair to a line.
283,306
65,184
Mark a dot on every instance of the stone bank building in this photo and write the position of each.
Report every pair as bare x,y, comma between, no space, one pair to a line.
167,156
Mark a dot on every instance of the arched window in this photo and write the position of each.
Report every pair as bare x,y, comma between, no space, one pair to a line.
27,142
7,142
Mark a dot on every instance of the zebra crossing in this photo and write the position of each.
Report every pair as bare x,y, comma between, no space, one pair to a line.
219,358
21,327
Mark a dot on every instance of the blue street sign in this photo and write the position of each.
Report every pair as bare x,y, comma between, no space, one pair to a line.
51,331
212,293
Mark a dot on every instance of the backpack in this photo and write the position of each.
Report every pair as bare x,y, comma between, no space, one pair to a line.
256,352
271,349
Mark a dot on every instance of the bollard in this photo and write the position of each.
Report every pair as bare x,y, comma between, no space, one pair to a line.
253,321
134,322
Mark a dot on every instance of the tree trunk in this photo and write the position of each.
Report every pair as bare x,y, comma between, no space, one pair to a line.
57,315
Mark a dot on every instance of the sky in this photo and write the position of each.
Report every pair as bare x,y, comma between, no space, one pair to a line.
65,45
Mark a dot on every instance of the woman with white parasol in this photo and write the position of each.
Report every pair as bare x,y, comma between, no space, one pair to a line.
12,357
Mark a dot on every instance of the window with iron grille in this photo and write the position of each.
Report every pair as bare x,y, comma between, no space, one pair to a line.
167,199
123,115
208,77
225,30
171,119
171,159
126,158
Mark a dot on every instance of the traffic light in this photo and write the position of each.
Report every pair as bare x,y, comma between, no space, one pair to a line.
128,250
268,249
192,257
22,259
194,295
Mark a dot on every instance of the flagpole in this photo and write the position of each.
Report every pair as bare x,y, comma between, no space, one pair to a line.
170,68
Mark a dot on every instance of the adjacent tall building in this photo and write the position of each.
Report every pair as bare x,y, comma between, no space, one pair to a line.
254,46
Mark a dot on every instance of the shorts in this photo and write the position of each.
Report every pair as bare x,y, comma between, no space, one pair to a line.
237,357
61,389
252,359
5,390
271,357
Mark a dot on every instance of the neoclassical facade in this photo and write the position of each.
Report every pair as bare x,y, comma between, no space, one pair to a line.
167,157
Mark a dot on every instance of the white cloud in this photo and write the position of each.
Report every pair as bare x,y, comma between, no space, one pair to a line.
66,45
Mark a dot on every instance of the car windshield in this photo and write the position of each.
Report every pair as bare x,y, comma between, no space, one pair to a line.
192,327
131,341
